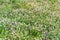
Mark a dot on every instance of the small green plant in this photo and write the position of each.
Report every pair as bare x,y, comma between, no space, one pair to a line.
52,1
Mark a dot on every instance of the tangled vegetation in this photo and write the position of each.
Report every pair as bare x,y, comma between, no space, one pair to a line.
29,19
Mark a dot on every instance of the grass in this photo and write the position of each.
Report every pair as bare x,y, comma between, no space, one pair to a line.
29,19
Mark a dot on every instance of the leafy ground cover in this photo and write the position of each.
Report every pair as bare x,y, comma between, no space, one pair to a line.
30,19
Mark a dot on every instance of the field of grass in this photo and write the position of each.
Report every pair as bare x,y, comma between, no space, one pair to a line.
29,19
